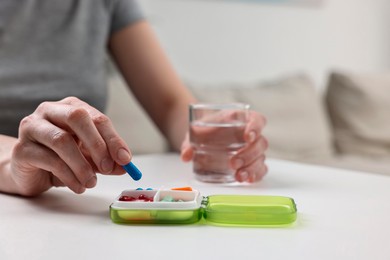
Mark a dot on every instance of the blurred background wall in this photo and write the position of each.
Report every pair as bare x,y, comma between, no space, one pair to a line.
224,41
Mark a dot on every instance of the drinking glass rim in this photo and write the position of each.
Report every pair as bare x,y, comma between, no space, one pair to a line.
217,106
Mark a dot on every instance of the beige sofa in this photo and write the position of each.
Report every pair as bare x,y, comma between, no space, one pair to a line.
348,126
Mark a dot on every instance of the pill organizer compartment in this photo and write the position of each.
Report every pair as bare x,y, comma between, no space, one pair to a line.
185,207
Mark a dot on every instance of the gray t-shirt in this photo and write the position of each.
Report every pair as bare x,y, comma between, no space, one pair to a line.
51,49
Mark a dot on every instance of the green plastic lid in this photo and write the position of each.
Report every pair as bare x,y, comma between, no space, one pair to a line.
249,210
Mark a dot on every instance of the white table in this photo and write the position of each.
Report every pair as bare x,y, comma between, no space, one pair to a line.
341,215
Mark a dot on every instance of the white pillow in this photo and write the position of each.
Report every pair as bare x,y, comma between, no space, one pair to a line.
359,106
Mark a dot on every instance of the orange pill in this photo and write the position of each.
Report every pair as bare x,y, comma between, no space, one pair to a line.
183,188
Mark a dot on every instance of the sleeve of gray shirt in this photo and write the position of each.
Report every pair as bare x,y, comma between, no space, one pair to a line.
124,12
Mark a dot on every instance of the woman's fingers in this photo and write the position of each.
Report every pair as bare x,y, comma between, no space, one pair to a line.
117,170
56,182
186,149
32,155
63,144
77,120
249,153
249,161
93,130
254,127
118,150
253,172
117,147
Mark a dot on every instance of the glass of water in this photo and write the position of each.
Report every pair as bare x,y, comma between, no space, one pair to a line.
216,134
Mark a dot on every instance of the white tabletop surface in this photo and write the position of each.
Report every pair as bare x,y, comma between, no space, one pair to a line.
341,215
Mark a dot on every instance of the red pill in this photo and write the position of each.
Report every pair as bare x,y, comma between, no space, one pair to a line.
126,198
142,197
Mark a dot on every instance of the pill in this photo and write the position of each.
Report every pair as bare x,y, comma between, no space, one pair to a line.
168,199
142,197
183,188
126,198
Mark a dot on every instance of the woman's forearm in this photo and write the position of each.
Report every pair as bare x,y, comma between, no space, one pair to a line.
6,182
176,125
153,80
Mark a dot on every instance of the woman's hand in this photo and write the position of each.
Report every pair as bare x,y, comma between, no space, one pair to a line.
65,143
249,161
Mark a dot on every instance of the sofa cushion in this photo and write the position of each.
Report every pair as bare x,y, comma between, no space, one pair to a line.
359,108
297,126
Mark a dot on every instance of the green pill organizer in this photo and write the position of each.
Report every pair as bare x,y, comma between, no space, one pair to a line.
167,206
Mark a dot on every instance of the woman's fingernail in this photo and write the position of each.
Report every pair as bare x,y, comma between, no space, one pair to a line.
238,163
252,136
243,175
107,165
91,182
79,190
124,156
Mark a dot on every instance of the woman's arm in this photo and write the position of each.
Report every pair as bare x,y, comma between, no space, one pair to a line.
152,79
6,182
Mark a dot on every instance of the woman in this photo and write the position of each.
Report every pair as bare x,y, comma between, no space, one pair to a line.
53,89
